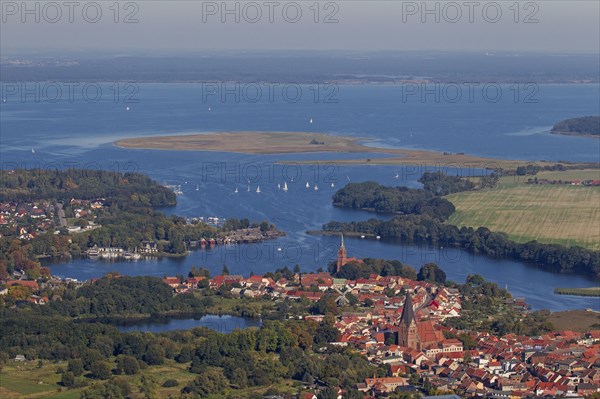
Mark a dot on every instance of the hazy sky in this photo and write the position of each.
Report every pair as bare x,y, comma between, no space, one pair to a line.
548,25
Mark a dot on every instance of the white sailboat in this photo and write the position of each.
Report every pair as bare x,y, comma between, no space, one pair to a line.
197,187
33,150
236,190
278,186
285,187
316,188
332,184
258,189
307,185
248,188
311,120
397,176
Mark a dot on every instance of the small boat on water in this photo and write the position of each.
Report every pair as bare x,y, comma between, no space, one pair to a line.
362,236
307,185
285,187
236,190
197,187
278,186
248,188
316,188
258,189
332,184
397,176
311,120
33,150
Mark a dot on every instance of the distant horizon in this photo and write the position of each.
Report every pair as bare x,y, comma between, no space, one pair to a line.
157,53
148,26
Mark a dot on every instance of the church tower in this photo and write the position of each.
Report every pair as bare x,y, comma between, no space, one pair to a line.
407,332
342,256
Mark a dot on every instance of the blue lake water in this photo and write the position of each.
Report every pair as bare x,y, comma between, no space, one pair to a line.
80,133
222,324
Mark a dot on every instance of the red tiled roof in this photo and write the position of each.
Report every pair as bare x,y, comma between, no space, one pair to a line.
24,283
428,333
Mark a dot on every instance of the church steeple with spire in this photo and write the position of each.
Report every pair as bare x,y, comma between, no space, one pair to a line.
342,255
407,332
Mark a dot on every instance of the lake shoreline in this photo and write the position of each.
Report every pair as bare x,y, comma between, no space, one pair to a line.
573,134
141,318
586,292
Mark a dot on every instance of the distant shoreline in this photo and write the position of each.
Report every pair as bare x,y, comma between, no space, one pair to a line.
583,126
563,133
250,142
588,292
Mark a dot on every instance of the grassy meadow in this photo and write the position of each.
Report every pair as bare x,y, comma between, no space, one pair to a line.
29,380
560,214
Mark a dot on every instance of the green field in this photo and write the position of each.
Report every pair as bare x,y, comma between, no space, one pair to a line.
20,380
590,174
28,380
575,320
560,214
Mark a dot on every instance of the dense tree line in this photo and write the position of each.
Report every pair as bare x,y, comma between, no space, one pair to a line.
403,200
115,296
438,183
382,267
62,185
424,228
16,254
236,224
284,272
277,350
122,295
432,273
586,125
127,228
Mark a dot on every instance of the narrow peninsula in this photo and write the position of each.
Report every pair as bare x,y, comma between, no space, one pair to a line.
249,142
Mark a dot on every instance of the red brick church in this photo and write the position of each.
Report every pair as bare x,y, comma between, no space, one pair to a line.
415,334
342,257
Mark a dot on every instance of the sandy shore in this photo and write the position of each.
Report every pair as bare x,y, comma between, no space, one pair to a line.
300,142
